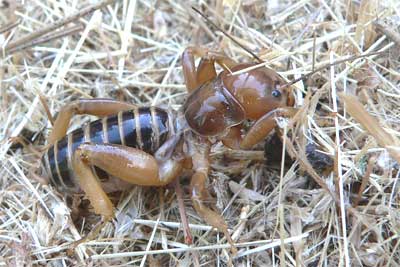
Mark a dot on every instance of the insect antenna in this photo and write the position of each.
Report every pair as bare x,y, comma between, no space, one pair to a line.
227,35
10,26
302,77
307,75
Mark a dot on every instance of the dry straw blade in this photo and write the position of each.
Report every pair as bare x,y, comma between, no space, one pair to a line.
132,53
371,124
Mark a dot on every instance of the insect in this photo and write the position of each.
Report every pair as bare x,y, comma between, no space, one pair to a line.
148,145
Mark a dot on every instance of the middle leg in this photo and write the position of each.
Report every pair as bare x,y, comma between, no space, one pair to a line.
199,193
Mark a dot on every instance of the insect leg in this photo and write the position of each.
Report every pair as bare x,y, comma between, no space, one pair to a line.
94,192
264,125
129,164
91,186
233,137
97,107
199,192
206,69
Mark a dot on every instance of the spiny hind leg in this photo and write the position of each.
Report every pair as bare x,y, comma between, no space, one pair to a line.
127,163
206,70
94,192
96,106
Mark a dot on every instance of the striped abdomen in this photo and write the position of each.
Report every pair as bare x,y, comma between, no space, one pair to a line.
143,128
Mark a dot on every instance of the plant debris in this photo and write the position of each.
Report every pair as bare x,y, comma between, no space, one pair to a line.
130,51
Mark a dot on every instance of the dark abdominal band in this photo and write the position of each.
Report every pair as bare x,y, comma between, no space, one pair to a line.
144,128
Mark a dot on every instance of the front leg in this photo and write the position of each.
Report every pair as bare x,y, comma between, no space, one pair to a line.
264,125
201,167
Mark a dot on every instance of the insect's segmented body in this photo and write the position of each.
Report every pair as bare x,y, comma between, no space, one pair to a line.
145,128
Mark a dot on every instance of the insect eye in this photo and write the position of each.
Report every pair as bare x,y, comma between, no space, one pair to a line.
276,93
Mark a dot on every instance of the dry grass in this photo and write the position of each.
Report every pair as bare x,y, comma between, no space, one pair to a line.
131,50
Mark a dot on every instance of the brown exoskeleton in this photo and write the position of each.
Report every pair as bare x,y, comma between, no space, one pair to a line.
147,146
